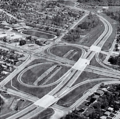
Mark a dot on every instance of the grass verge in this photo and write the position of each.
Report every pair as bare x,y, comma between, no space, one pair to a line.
70,98
46,114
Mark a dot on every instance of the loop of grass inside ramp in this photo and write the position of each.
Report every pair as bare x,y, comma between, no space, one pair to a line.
62,50
33,73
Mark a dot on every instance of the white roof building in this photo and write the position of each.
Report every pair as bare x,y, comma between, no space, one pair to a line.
3,35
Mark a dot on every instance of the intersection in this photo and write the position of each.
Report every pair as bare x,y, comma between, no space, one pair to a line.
67,82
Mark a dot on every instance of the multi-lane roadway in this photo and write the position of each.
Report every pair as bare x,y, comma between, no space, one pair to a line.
69,78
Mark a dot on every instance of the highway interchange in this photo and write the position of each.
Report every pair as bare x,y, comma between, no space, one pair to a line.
66,82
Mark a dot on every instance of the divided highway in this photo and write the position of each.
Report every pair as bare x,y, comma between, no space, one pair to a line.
68,78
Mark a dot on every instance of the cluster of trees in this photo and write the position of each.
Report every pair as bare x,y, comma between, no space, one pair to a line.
22,42
12,5
72,36
38,43
8,19
58,20
45,28
101,2
110,98
9,57
118,39
62,17
118,43
74,116
118,29
28,39
114,60
114,15
116,47
90,22
31,39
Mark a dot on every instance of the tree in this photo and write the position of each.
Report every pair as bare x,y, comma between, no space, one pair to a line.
22,42
4,39
1,68
112,60
38,43
116,47
29,38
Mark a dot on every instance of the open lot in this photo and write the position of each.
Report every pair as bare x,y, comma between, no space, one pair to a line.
68,52
38,34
